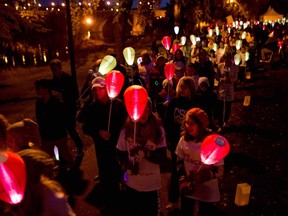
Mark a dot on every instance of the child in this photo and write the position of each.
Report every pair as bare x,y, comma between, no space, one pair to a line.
140,161
198,183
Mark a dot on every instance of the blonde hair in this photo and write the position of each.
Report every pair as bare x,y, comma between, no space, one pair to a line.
188,82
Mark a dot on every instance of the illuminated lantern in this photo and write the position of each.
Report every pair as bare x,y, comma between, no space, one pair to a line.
175,47
193,39
237,59
176,30
129,55
166,42
215,47
107,64
135,99
12,177
210,32
183,40
229,30
114,82
247,56
213,149
217,31
56,153
244,34
169,70
238,44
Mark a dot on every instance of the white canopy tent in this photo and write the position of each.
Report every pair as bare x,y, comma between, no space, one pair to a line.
270,14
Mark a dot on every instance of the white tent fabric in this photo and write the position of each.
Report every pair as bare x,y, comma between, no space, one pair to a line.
270,14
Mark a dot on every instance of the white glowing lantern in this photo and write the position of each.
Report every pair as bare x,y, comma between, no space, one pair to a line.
183,40
244,34
198,39
233,24
229,30
245,25
129,55
215,47
107,64
176,30
193,39
247,56
56,153
238,44
237,59
241,22
210,32
217,30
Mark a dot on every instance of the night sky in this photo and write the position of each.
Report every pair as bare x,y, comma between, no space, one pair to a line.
47,2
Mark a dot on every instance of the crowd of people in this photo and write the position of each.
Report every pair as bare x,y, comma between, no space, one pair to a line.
178,116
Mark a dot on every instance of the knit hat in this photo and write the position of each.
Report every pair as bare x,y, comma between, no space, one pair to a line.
25,132
200,115
165,83
98,82
203,80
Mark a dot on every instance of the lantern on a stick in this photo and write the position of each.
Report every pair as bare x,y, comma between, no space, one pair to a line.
166,42
114,81
217,31
238,44
246,56
12,177
129,55
210,32
107,64
237,59
244,34
183,40
193,39
169,70
175,47
135,99
213,149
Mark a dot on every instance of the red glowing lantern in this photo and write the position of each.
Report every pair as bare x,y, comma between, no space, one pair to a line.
169,70
135,99
166,41
114,82
12,177
175,47
213,149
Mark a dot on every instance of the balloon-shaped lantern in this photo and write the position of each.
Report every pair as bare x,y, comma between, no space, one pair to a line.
114,81
169,70
12,177
229,30
107,64
129,55
217,31
176,30
215,47
244,34
237,59
166,42
213,149
175,47
247,56
193,39
210,32
135,99
238,44
183,40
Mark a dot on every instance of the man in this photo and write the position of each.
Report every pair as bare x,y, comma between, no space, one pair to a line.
64,87
96,118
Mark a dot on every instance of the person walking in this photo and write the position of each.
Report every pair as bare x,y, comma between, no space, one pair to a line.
64,87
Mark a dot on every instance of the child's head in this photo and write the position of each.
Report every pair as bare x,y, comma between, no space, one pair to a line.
186,87
191,70
195,124
203,84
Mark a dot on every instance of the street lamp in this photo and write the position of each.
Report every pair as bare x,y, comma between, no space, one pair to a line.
176,30
88,22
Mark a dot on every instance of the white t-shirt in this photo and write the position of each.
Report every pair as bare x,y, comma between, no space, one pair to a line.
148,177
190,153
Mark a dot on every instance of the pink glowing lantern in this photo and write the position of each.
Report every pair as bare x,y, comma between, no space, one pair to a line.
175,47
169,70
213,149
166,42
114,82
12,177
135,99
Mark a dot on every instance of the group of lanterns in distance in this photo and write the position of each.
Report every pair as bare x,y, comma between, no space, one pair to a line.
12,167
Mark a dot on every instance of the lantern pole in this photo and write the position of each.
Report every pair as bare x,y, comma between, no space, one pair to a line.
109,118
134,139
